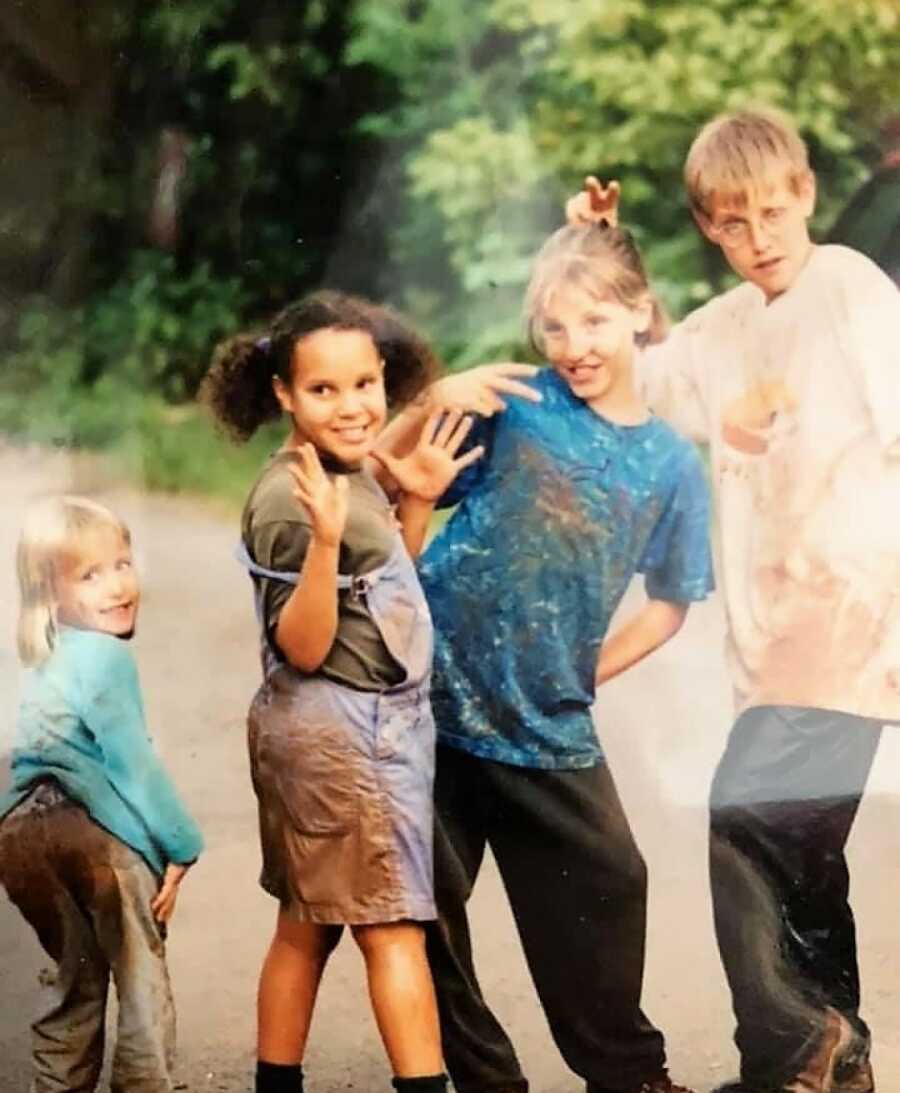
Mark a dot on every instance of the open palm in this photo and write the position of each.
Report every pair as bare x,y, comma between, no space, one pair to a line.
433,464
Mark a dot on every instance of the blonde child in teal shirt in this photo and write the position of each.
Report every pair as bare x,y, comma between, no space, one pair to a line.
94,840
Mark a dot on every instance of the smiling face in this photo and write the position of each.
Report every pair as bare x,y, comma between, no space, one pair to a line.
96,587
336,396
590,339
765,237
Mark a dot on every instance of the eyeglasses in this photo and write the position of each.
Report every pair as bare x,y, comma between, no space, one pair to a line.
737,232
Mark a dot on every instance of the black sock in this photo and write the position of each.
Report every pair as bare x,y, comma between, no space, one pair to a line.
434,1083
279,1078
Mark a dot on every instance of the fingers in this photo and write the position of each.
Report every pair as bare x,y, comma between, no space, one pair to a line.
594,204
309,477
446,427
506,377
578,211
303,488
458,434
163,903
309,461
603,200
511,369
432,423
487,404
596,193
469,458
452,431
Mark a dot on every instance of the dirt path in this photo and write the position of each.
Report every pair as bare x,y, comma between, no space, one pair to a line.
663,727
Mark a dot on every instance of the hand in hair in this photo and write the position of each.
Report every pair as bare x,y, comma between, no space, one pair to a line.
324,498
595,204
432,465
479,390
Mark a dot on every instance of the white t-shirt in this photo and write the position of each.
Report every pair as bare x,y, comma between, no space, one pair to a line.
799,401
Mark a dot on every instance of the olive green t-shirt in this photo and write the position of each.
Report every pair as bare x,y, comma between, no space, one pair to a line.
276,530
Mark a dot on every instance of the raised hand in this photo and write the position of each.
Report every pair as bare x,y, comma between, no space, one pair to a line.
432,465
324,498
595,204
479,390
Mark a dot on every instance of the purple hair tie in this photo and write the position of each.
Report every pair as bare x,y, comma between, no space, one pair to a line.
263,344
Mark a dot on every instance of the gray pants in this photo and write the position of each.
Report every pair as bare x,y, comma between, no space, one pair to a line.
783,802
87,895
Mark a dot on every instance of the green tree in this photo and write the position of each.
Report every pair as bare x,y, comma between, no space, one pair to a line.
546,91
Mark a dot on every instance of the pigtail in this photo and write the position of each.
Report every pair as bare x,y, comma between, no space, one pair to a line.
238,386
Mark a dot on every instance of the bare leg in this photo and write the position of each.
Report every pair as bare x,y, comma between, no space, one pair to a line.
402,996
288,985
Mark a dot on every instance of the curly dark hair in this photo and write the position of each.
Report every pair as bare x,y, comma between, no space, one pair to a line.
238,386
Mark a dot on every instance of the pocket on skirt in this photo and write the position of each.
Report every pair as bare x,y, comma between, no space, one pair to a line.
304,766
318,787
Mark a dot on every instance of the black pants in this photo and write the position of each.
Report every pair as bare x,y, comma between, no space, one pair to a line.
783,801
577,884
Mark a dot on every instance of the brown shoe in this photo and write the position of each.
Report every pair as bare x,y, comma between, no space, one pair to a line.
818,1076
853,1077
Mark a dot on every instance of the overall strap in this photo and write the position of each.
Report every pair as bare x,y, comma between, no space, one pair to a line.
359,583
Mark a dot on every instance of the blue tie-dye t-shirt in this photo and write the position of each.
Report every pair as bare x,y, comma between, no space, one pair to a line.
554,521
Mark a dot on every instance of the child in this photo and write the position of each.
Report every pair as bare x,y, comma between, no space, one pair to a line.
341,733
792,378
94,841
575,494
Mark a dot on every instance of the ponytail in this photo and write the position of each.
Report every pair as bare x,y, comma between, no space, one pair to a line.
238,386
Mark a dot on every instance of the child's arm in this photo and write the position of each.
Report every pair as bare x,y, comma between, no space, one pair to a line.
307,624
427,471
650,628
112,709
677,568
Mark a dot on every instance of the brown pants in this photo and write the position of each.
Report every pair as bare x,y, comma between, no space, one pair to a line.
87,895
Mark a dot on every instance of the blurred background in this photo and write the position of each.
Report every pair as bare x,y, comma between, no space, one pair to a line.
172,172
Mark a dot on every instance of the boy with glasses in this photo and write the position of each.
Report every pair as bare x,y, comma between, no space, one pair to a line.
793,380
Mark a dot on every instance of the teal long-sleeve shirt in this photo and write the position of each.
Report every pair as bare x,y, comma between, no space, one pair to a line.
81,722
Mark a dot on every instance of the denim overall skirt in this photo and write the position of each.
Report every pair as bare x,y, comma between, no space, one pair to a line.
343,778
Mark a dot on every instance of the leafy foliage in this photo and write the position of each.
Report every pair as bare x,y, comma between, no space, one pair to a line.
414,150
619,89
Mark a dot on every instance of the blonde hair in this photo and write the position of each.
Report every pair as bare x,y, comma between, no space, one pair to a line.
743,151
53,531
598,258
